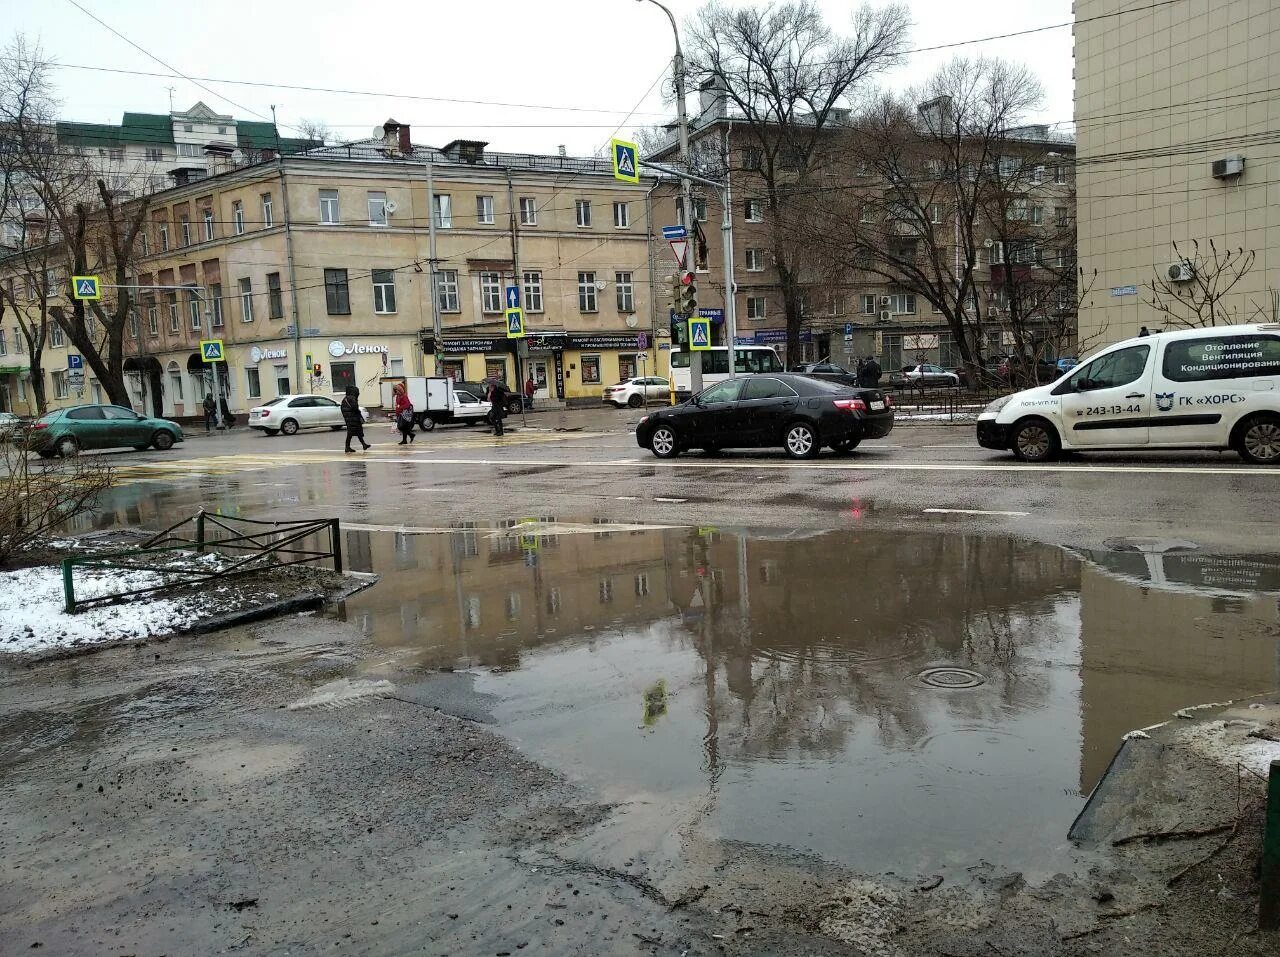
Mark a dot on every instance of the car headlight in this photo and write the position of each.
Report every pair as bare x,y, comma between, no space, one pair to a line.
998,404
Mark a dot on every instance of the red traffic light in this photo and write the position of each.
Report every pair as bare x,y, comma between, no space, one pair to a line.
687,279
317,369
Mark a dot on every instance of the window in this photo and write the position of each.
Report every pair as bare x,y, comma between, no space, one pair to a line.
755,307
1112,370
188,149
1022,252
1037,175
384,291
341,375
1060,216
495,367
1222,357
329,207
1017,211
275,301
184,229
528,211
153,321
590,370
1037,215
56,336
586,292
144,244
447,290
765,388
626,293
754,210
254,382
722,391
19,340
491,300
868,305
4,343
206,214
193,311
621,215
935,213
1060,175
60,390
700,209
246,300
171,301
215,304
484,210
377,208
268,213
164,235
442,210
903,303
582,212
282,379
154,155
755,260
337,294
997,254
237,217
533,291
751,159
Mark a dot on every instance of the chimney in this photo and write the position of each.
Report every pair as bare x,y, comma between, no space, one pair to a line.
561,150
711,98
406,142
391,136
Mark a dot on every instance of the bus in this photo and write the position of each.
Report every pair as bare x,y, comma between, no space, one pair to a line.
715,366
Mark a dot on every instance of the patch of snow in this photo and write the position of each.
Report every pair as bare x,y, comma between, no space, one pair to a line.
1187,713
32,616
1136,735
342,692
1229,743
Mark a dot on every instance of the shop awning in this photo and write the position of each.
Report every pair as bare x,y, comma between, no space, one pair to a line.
13,369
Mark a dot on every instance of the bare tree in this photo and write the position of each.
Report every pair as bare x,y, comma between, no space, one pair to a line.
317,130
37,499
914,178
788,81
1192,296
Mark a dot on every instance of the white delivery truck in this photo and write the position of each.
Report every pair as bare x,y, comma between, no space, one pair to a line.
1206,388
436,401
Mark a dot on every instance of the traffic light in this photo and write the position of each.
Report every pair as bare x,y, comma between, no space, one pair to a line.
688,301
315,371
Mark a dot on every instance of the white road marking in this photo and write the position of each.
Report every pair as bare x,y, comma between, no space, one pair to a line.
628,498
670,501
972,511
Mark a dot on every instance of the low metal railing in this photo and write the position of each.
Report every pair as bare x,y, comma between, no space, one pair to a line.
271,545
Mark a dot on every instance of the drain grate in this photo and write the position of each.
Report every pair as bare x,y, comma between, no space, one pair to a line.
951,678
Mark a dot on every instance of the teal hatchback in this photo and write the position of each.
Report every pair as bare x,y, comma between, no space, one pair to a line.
67,431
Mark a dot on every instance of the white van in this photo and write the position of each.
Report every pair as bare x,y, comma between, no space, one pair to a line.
1207,388
715,366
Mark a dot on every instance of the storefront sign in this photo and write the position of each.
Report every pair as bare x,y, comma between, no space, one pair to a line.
602,340
765,337
257,354
919,342
559,363
457,347
1119,291
715,315
338,349
547,340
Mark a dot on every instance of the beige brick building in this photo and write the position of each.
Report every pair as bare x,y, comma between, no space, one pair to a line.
1161,94
324,259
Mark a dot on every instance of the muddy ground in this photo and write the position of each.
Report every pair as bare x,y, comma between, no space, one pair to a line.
287,788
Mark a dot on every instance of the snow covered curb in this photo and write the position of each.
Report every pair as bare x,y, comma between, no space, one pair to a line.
32,619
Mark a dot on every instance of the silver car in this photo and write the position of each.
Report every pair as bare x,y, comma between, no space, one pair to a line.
634,393
289,413
923,375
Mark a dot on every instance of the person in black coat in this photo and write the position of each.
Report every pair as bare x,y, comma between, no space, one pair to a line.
353,417
869,373
497,404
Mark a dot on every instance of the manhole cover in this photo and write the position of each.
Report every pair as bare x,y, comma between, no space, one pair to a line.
951,678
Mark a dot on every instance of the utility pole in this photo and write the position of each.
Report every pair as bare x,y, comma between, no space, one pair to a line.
288,248
686,184
517,280
434,262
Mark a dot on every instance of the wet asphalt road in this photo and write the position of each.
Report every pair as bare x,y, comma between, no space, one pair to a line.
923,477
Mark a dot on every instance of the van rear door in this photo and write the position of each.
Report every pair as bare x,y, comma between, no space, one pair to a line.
1107,401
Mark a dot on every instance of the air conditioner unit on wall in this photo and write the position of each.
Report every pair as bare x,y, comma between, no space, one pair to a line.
1181,272
885,315
390,207
885,300
1228,166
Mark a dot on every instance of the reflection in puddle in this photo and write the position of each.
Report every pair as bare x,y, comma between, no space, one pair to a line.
885,700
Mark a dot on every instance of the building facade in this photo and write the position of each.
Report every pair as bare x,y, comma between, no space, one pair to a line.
1174,104
316,269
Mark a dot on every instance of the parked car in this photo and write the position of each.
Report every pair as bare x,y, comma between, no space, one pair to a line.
480,390
637,392
924,376
1205,388
797,412
829,371
68,431
1067,363
289,413
11,427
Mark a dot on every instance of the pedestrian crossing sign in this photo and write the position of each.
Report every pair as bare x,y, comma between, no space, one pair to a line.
699,333
626,162
211,350
515,323
85,287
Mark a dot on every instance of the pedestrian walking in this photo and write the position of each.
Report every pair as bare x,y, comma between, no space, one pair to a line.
530,387
228,420
497,404
353,417
869,374
404,413
209,413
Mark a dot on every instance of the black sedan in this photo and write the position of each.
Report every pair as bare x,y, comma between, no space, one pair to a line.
798,412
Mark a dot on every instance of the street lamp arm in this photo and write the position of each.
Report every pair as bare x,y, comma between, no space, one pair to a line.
670,16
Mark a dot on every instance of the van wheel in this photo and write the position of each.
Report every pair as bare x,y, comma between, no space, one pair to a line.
1035,440
1258,440
427,423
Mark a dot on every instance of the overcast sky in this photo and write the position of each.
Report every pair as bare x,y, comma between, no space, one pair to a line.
598,54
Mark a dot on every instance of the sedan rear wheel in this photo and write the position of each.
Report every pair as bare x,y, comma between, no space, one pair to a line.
67,446
289,427
801,440
635,401
663,442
